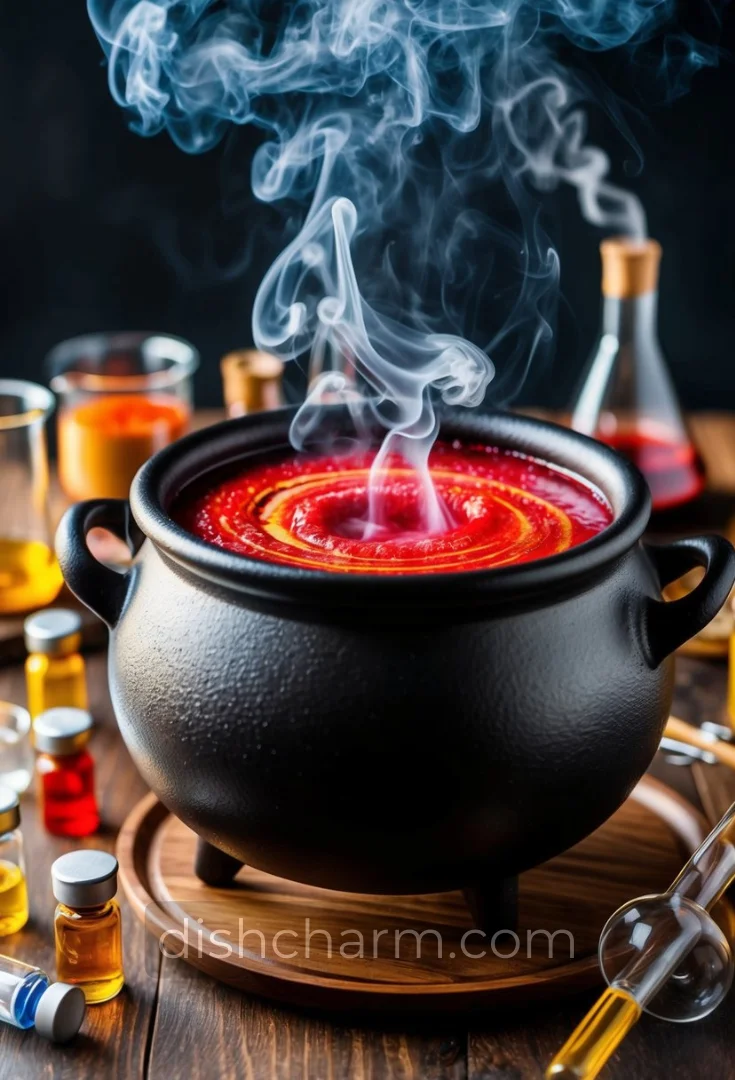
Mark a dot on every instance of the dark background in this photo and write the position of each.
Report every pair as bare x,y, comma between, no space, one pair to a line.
102,229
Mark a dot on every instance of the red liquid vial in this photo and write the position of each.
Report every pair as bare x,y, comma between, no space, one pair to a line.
65,771
627,399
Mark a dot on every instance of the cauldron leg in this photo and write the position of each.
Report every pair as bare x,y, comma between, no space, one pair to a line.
494,904
214,867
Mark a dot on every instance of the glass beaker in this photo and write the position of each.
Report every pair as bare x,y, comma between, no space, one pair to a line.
29,574
627,399
122,397
16,753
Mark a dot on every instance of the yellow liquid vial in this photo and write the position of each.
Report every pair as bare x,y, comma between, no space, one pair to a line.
89,950
13,898
29,575
55,682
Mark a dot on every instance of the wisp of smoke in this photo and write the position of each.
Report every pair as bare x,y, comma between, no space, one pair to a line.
385,118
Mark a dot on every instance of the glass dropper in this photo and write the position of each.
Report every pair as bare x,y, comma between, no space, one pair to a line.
663,954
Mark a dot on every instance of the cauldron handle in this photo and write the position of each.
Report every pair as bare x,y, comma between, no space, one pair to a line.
670,624
102,589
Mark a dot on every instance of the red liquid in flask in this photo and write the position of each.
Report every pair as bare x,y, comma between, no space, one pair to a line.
68,801
671,466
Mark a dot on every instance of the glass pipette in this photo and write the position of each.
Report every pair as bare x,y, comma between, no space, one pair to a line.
663,954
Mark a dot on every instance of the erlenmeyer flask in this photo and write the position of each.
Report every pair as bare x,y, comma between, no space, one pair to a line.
627,398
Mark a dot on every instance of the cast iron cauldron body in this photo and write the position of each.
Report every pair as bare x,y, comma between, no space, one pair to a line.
397,734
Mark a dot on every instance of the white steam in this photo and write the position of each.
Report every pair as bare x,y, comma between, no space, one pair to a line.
392,120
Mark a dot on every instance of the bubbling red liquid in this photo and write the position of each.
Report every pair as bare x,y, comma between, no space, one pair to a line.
503,508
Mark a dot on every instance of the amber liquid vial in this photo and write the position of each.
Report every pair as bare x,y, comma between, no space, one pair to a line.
87,924
89,950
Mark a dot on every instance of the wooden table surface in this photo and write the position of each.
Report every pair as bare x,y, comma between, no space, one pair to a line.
172,1022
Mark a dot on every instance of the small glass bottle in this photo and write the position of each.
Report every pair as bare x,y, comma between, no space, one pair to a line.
28,999
628,399
13,888
65,771
87,924
16,752
29,573
55,668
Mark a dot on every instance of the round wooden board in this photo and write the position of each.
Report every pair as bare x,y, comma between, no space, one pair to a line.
231,933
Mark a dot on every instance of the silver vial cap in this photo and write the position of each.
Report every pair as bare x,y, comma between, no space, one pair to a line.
62,730
54,631
60,1012
85,878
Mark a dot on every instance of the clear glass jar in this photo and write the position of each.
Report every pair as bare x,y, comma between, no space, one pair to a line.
16,752
29,573
122,397
13,888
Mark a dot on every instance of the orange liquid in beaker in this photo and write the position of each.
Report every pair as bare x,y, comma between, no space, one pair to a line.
104,441
30,577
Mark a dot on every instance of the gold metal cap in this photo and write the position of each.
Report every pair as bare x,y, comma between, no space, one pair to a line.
54,632
9,810
629,267
62,731
251,381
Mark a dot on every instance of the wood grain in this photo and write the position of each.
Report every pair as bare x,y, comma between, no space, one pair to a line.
233,933
204,1030
113,1042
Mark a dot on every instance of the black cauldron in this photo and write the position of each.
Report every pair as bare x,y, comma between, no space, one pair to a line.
391,734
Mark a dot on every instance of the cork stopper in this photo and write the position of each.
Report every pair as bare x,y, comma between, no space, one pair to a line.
251,381
629,267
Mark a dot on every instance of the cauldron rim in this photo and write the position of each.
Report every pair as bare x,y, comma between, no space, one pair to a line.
215,447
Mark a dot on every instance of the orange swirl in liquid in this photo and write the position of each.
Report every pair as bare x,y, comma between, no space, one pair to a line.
310,512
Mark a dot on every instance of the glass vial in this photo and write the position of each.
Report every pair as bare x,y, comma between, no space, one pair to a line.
628,399
55,672
87,924
28,999
29,573
13,889
65,771
54,666
16,752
